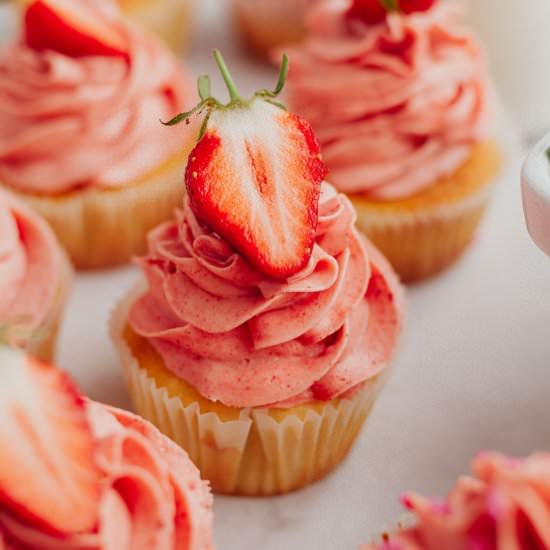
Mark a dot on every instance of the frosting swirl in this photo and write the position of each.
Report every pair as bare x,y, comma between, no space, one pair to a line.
68,123
505,507
30,265
152,494
246,340
387,98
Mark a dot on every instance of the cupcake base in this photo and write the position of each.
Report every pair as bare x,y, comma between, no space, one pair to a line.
270,23
106,227
170,19
253,451
423,235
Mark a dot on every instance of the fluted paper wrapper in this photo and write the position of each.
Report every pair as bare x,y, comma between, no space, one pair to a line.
105,227
258,454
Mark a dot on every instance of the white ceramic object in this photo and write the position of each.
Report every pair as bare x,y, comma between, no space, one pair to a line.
516,35
536,193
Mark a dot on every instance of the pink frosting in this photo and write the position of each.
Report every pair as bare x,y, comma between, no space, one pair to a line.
152,494
506,507
246,340
385,99
30,265
68,122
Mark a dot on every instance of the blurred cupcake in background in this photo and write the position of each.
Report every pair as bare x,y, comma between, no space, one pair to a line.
503,507
265,24
170,19
81,97
101,478
35,279
267,325
398,94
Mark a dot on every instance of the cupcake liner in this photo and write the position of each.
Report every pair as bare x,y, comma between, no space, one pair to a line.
270,23
43,344
170,19
106,227
262,452
423,240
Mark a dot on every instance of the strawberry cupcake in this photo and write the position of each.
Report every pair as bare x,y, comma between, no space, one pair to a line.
398,94
504,507
81,95
170,19
265,329
265,24
35,279
87,475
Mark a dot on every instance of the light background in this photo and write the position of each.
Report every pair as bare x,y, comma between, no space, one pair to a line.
473,373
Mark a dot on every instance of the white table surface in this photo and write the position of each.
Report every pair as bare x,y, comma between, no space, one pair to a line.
473,373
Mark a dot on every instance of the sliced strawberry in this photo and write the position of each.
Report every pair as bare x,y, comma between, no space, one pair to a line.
369,11
255,179
375,11
75,28
255,176
411,6
47,472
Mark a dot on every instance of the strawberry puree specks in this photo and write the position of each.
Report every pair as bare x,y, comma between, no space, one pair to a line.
30,265
247,340
88,121
388,98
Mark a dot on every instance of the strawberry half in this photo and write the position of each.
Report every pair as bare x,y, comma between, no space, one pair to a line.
75,28
47,472
255,177
376,11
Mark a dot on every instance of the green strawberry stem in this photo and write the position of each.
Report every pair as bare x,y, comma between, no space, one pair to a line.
227,78
390,5
209,103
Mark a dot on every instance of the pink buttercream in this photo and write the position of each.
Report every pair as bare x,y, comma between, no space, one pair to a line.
246,340
68,122
396,106
152,495
30,265
506,507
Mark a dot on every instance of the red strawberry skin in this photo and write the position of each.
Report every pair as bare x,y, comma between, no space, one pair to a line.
369,11
48,477
373,11
411,6
255,179
73,30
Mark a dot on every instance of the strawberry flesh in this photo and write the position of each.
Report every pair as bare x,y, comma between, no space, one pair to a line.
48,477
71,27
255,179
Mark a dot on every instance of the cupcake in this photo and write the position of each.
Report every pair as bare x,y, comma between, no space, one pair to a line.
81,95
504,507
75,474
265,24
266,326
35,279
400,101
170,19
